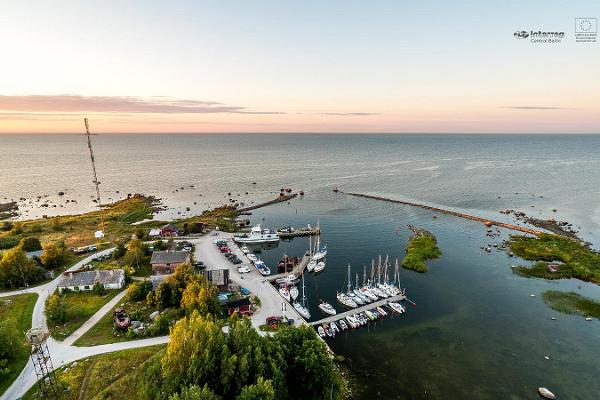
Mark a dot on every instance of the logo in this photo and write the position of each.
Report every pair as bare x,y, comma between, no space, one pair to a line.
586,30
521,34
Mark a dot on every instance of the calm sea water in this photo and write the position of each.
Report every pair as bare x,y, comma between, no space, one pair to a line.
476,333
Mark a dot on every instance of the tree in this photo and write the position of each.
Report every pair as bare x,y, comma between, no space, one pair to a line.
56,310
135,253
16,269
261,390
54,256
200,295
31,244
138,291
194,353
120,250
195,393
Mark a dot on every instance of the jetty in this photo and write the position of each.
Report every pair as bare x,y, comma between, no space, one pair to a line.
298,270
298,232
487,222
357,310
280,199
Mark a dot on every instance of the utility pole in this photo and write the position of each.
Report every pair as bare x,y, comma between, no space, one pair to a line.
100,233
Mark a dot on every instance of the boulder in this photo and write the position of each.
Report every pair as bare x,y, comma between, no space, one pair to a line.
154,315
135,324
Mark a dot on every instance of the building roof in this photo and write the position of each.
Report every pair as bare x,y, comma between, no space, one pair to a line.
238,303
170,227
170,257
89,278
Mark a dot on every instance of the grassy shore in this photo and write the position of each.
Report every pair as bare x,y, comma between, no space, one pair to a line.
572,303
79,308
18,309
421,247
556,257
107,376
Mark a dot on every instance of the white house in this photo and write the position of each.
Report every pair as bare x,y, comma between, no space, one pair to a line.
85,280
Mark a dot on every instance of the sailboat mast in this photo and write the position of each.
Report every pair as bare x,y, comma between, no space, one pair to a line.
349,280
379,270
372,279
364,275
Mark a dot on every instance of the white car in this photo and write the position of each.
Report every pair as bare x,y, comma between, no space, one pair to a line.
244,269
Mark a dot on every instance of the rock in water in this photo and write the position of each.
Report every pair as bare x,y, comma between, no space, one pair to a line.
545,393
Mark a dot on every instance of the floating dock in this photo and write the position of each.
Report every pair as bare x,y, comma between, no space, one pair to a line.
485,221
299,232
298,270
357,310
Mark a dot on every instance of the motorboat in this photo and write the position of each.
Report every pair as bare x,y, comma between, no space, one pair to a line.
381,311
319,267
343,324
396,307
287,280
294,292
328,330
545,393
334,327
347,301
245,249
284,291
258,235
262,268
352,322
311,265
327,308
252,257
321,331
370,315
302,310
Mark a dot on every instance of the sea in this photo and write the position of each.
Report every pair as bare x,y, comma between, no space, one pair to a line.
476,331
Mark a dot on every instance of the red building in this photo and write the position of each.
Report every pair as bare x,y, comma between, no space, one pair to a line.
242,307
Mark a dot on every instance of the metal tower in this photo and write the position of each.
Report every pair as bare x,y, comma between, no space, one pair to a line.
48,387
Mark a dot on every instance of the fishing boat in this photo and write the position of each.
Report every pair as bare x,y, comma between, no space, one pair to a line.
284,291
245,249
321,331
319,267
327,308
294,292
301,307
343,325
258,235
262,268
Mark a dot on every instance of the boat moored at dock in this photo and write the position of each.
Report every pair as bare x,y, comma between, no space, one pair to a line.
258,235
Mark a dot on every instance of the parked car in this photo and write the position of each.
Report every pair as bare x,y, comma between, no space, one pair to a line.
235,260
244,291
244,269
92,248
224,249
199,264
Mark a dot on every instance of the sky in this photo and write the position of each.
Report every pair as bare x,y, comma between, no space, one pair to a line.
347,66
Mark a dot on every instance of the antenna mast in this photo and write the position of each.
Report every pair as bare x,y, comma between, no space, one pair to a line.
96,183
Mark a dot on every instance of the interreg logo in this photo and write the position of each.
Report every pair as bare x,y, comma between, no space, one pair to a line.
586,30
540,36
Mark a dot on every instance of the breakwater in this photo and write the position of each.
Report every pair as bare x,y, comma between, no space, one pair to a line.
280,199
485,221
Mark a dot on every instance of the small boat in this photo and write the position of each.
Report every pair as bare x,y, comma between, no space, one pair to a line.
352,322
262,268
327,308
335,328
319,267
381,311
397,307
294,292
252,257
287,280
345,300
320,254
311,265
321,331
343,324
302,310
245,249
545,393
370,315
285,293
258,235
328,330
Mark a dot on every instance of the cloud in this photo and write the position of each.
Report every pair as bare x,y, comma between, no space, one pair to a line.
73,103
534,108
349,114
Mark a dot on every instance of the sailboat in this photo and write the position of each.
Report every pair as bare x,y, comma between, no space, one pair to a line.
312,263
301,307
320,253
345,298
285,292
294,292
327,308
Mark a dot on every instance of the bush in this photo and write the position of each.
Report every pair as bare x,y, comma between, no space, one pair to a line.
6,226
31,244
8,242
54,256
98,289
139,290
120,250
56,310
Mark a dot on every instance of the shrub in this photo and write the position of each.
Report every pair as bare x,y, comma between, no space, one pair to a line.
31,244
56,310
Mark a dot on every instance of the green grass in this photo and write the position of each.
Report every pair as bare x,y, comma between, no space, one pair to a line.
107,376
80,307
19,310
577,260
103,332
572,303
420,249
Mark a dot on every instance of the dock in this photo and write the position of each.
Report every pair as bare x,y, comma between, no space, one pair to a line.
485,221
298,270
299,232
356,310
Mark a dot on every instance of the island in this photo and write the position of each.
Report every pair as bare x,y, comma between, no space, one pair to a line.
421,246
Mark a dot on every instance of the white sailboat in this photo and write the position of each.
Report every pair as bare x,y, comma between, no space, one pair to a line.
301,307
319,267
320,253
312,263
294,292
327,308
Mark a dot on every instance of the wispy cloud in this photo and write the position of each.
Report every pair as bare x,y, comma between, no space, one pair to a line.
534,108
349,114
73,103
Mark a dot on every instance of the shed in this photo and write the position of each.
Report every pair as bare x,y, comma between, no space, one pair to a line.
241,306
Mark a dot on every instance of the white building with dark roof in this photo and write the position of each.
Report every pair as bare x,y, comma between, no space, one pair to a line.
85,280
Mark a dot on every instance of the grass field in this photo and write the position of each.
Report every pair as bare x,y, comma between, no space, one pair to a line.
107,376
18,308
80,307
575,260
572,303
419,249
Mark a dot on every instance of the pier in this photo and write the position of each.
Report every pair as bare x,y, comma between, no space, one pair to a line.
357,310
299,232
298,270
485,221
280,199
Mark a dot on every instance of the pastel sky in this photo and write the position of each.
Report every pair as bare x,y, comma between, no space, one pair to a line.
296,66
